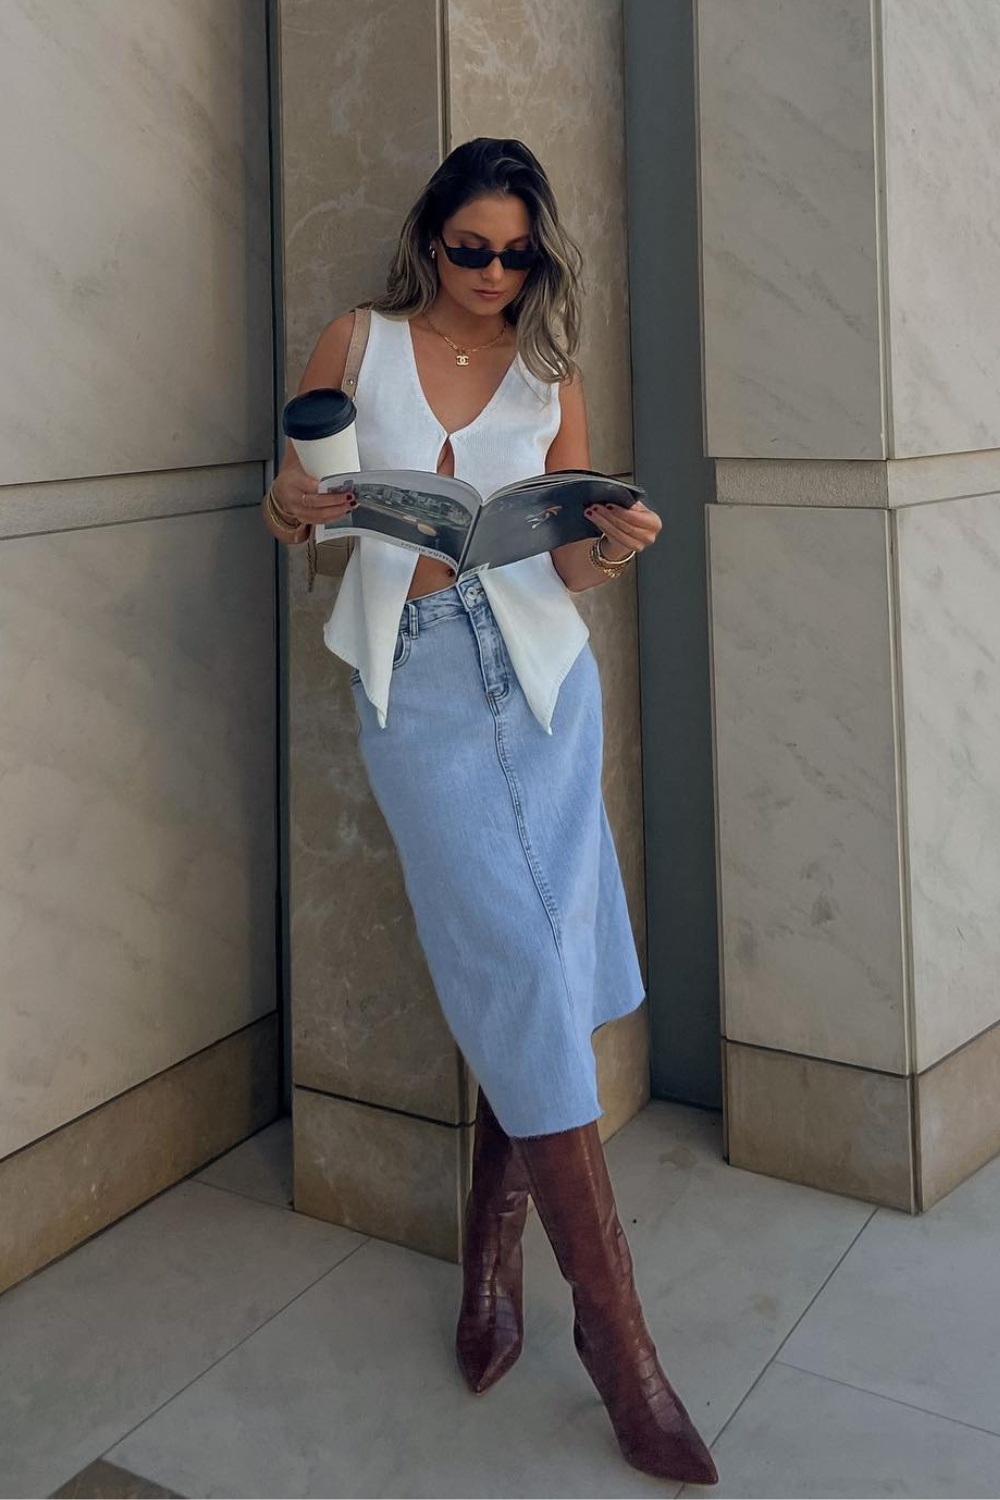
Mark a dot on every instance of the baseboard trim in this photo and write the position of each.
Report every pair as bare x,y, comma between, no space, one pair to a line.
902,1142
78,1179
843,1129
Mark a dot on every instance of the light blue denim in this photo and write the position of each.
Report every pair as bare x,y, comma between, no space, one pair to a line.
508,858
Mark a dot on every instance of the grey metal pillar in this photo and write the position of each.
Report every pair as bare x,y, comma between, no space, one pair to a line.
673,611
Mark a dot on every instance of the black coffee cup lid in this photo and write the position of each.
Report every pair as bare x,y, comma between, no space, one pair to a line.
318,414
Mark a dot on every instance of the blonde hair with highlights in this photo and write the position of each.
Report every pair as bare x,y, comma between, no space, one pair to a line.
546,311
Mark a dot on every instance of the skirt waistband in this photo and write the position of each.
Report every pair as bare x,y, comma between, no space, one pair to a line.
461,598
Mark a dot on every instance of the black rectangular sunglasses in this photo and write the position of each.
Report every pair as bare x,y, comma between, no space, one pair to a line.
478,260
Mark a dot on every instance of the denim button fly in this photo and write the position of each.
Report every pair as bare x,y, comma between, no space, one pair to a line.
472,592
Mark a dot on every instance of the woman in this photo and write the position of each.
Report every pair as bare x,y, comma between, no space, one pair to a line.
480,712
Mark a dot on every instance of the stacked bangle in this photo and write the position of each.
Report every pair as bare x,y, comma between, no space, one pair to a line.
290,525
610,567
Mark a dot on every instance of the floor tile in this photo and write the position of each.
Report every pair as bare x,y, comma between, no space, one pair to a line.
799,1435
353,1390
260,1167
103,1481
95,1342
726,1261
913,1311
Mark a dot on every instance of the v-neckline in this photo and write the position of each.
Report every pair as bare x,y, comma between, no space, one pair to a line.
415,370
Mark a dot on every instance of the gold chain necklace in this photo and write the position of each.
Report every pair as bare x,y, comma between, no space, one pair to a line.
462,355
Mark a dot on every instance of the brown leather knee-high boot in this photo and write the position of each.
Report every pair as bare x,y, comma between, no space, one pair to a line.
569,1183
491,1322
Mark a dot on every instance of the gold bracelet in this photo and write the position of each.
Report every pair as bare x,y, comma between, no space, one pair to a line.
281,516
285,531
288,524
610,567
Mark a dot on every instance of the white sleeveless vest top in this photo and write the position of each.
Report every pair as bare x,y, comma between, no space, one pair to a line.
396,429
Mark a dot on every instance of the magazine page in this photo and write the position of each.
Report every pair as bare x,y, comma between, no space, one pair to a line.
536,515
429,513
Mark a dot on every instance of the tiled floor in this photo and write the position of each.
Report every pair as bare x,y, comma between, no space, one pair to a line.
216,1343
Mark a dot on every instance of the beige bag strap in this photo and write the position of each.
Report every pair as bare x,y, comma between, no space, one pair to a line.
338,552
356,348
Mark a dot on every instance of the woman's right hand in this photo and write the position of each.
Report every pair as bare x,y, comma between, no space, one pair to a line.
297,494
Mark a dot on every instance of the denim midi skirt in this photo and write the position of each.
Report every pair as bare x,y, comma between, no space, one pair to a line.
509,862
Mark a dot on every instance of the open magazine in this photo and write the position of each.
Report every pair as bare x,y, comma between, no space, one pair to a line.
448,519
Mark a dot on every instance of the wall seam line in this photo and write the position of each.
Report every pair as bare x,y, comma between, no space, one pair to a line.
900,777
882,227
385,1109
140,520
699,182
282,919
812,1057
444,80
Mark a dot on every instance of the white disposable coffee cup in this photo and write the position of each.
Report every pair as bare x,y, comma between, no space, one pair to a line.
321,427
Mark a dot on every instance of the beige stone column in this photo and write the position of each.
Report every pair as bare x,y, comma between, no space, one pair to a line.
138,1005
851,332
372,97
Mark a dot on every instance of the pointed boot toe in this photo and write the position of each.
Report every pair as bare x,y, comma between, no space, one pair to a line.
483,1360
702,1471
682,1457
686,1470
651,1423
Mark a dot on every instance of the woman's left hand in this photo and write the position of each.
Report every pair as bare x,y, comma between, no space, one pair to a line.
628,529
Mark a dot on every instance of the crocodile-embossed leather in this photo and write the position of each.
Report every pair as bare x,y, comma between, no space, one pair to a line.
572,1191
491,1322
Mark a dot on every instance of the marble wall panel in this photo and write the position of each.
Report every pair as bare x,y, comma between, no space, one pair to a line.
381,1172
553,76
360,135
365,1017
788,186
135,258
137,866
806,783
31,509
844,1130
803,481
942,141
945,476
949,641
622,1051
957,1118
873,484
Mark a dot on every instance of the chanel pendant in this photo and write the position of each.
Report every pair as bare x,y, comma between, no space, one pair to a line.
461,359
